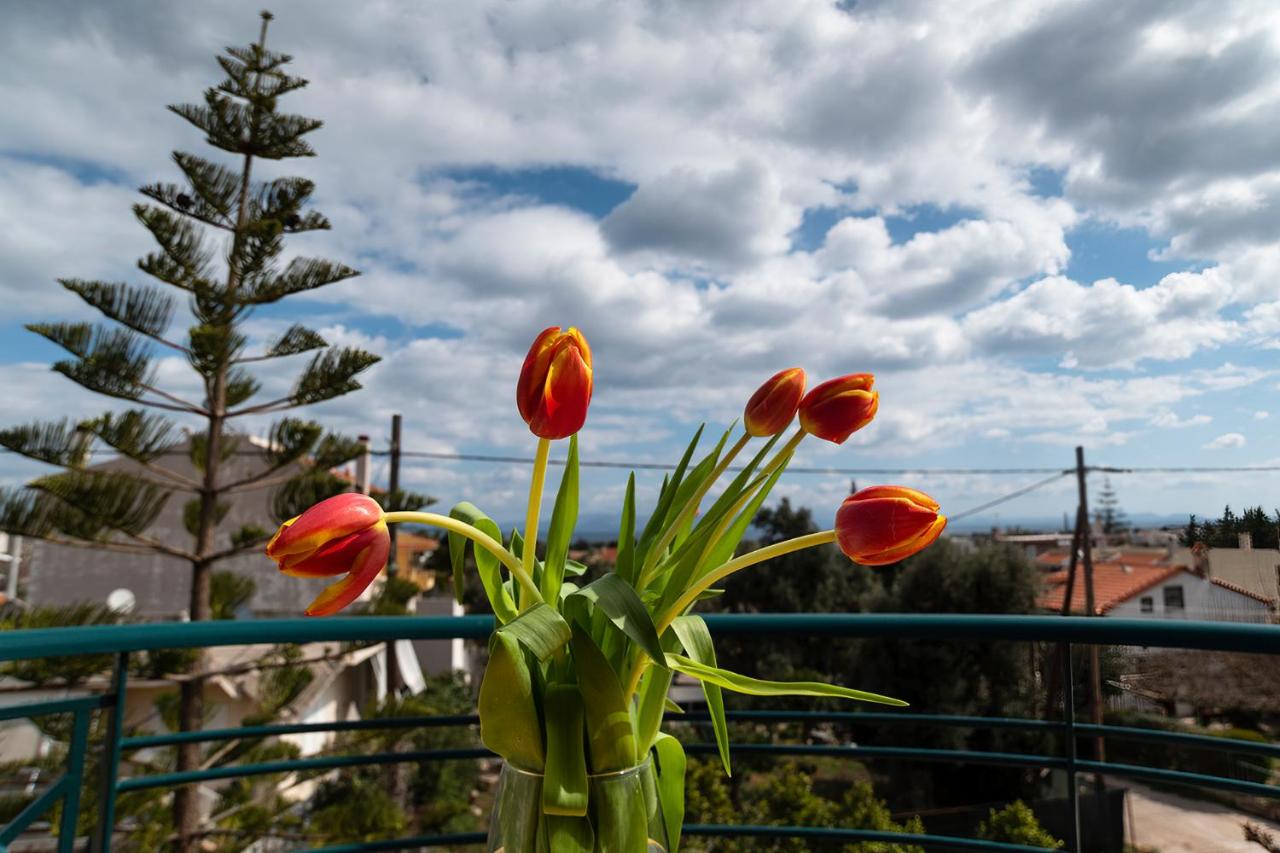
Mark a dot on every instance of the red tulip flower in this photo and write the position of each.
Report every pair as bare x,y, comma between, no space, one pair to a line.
884,524
344,534
774,403
839,407
555,383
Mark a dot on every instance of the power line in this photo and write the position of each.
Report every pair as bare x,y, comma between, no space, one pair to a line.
1008,497
664,466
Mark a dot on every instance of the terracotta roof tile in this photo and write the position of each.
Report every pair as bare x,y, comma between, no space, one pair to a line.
1113,584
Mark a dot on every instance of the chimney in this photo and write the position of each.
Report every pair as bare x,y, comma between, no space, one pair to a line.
1246,541
362,466
1200,560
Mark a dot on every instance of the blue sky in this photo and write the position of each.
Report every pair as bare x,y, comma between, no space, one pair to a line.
714,192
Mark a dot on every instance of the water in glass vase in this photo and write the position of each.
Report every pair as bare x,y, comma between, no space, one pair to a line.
623,815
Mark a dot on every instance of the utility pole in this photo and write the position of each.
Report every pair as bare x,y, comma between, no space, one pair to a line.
395,684
1095,664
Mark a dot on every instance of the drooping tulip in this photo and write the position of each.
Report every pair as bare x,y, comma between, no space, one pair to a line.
344,534
554,390
774,403
839,407
884,524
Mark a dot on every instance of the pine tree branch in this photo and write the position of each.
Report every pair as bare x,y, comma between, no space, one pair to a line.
95,545
173,479
180,404
237,550
145,310
259,481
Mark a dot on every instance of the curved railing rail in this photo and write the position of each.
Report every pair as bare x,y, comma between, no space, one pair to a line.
122,640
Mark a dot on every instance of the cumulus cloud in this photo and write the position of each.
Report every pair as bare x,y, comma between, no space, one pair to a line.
724,219
1226,440
1108,324
1171,420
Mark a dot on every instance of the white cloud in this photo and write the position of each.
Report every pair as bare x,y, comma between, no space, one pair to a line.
1170,420
1108,324
1226,440
726,219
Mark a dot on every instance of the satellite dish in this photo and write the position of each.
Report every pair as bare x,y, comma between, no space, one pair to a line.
122,601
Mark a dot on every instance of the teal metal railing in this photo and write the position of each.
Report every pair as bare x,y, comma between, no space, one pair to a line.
123,640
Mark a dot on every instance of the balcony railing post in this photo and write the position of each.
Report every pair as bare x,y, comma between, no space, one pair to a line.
1069,729
111,743
75,778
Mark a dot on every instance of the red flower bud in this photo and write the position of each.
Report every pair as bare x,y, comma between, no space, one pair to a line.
774,404
884,524
839,407
555,383
344,534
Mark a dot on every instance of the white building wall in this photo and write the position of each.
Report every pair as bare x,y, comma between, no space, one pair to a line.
1202,599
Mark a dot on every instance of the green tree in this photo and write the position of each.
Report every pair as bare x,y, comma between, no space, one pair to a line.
1016,824
219,235
1109,515
989,679
228,592
1224,532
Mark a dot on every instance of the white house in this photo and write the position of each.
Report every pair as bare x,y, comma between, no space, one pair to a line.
1140,589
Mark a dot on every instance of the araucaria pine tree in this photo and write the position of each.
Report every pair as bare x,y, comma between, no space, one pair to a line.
220,234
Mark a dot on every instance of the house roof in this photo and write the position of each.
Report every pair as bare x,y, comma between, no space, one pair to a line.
1113,584
1116,582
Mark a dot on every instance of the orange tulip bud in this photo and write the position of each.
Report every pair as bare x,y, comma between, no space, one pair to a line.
774,404
884,524
555,383
344,534
839,407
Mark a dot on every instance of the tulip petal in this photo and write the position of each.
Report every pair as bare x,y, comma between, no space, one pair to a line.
774,403
914,495
869,527
369,561
893,555
338,516
536,363
332,558
566,395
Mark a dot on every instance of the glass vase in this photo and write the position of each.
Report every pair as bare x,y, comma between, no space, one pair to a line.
623,815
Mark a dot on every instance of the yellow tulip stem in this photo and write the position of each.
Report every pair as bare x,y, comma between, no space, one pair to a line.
493,546
785,453
690,507
535,507
760,555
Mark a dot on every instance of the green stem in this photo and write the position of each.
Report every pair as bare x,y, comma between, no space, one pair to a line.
745,561
482,539
535,507
689,508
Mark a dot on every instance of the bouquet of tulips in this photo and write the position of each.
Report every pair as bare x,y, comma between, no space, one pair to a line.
576,684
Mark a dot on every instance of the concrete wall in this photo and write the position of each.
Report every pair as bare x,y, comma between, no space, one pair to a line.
58,575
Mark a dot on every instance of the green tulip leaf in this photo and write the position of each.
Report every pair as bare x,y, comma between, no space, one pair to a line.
652,702
670,761
620,604
757,687
658,521
564,786
624,565
672,707
610,736
487,565
696,640
569,834
509,722
540,629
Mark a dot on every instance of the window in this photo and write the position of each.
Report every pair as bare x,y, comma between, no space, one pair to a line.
1173,599
1147,603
